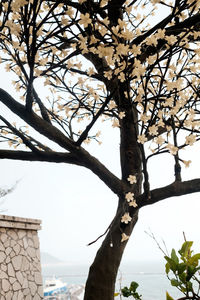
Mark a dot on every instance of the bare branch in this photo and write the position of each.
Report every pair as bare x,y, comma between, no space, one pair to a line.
50,156
36,122
83,159
84,134
174,189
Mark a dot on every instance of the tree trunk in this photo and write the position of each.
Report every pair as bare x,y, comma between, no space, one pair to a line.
101,280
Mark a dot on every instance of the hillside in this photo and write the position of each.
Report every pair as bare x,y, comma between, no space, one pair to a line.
47,258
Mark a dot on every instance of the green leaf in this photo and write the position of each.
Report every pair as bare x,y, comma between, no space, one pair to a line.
174,257
172,263
191,270
137,296
190,286
183,289
168,297
133,286
125,292
194,259
167,268
175,282
182,277
181,268
185,249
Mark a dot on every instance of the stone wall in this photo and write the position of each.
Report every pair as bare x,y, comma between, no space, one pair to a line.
20,268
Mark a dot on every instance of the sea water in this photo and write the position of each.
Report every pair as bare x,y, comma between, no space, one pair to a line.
150,276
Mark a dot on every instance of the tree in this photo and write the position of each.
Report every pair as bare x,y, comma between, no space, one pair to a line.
102,60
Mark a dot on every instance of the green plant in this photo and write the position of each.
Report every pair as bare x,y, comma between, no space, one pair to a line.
184,268
131,291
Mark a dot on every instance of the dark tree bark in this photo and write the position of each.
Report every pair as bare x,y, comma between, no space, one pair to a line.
103,272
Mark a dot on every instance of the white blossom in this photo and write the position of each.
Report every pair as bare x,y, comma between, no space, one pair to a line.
187,163
129,196
141,139
125,237
126,218
132,179
133,203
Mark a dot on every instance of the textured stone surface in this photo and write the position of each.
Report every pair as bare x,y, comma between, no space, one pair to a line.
13,234
3,237
25,264
38,278
3,275
12,280
20,268
36,297
21,234
15,296
11,271
16,286
9,295
17,262
20,296
8,251
2,248
40,291
33,288
2,257
16,249
5,285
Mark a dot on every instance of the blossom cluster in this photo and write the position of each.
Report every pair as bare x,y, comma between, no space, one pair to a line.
162,85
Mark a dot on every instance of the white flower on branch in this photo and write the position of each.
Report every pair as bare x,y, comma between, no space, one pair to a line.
126,218
85,20
115,123
132,179
133,203
190,139
112,104
129,196
153,130
187,163
159,140
171,39
141,139
121,114
172,149
125,237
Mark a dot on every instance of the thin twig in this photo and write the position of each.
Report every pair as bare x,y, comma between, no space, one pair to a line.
100,236
157,243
